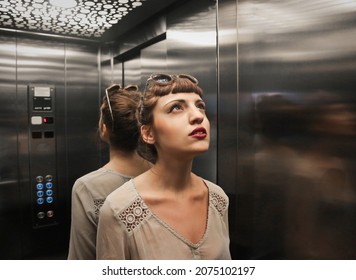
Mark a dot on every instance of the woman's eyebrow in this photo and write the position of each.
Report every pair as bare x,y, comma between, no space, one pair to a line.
182,101
175,101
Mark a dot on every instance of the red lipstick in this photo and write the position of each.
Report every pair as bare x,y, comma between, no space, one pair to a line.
199,133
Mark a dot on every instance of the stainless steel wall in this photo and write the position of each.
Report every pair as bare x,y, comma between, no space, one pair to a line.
132,70
37,62
153,60
72,67
278,77
9,187
296,163
228,97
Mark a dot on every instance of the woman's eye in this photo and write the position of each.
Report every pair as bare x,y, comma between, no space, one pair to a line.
201,106
175,107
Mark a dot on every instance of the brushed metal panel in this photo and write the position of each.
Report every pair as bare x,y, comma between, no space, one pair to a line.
117,72
132,70
82,109
38,62
228,114
297,128
9,188
153,60
191,48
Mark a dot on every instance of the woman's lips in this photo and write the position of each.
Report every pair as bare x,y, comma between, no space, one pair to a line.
199,133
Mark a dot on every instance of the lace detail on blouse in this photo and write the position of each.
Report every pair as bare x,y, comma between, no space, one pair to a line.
219,202
97,205
134,214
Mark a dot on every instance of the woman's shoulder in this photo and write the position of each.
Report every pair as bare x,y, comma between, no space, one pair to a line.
102,174
127,206
122,197
217,197
215,188
99,183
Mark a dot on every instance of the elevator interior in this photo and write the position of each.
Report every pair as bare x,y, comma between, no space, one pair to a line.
278,82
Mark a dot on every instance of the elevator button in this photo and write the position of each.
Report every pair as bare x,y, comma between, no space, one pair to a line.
40,193
39,179
40,200
48,178
49,192
36,134
49,185
48,134
40,215
36,120
50,213
39,186
49,199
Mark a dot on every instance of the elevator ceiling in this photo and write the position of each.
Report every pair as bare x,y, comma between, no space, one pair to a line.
91,19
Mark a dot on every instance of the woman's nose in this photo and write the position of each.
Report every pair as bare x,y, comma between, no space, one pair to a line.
196,115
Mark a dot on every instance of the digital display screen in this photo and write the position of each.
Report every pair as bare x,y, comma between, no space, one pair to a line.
42,103
42,91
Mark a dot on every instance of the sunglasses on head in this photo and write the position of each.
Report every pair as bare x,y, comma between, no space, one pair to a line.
114,89
165,79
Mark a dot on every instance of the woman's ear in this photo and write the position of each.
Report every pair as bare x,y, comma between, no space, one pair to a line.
147,134
104,133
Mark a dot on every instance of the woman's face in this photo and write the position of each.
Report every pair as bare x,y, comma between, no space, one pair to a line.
180,125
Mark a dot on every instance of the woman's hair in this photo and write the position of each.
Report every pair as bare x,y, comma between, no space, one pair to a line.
124,131
154,90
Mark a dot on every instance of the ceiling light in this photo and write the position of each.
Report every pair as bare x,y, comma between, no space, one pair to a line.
63,3
82,18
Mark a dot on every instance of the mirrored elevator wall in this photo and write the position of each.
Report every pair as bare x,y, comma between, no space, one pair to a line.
58,151
297,128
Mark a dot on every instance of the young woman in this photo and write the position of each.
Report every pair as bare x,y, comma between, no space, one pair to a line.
168,212
118,127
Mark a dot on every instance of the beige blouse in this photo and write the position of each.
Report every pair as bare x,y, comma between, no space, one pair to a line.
128,229
88,195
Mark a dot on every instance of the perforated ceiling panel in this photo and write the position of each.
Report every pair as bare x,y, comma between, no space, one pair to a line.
88,19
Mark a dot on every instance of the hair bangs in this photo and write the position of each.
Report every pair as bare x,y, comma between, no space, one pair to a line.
184,85
176,86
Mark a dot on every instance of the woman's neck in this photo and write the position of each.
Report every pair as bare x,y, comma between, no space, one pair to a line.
173,174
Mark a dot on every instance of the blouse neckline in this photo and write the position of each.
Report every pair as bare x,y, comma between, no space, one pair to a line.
170,228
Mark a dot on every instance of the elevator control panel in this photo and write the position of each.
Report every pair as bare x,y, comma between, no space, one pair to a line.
42,155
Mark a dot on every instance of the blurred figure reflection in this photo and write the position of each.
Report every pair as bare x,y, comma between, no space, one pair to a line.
304,197
321,201
278,121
